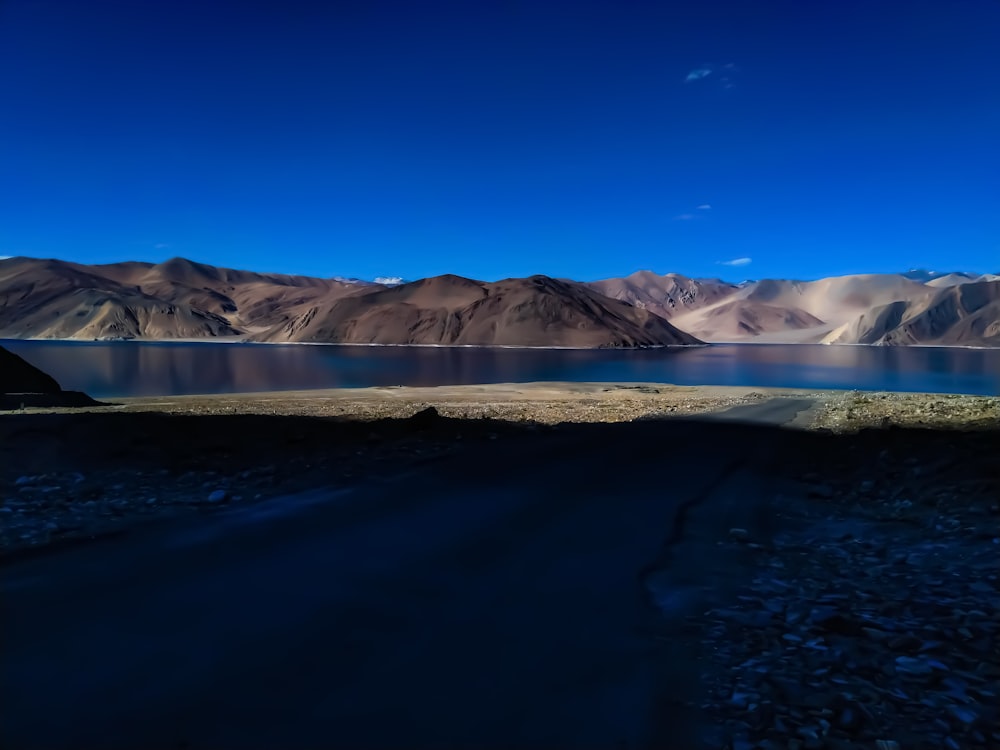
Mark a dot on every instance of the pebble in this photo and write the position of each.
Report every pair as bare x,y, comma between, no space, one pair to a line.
871,625
219,496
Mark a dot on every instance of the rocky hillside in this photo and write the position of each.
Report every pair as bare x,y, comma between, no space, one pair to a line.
889,309
667,295
451,310
965,314
170,300
182,299
18,376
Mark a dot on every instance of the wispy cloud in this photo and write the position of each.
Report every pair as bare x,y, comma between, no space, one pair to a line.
6,257
699,212
736,262
723,76
161,245
697,74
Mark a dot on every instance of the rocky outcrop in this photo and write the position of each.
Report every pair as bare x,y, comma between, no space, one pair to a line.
18,376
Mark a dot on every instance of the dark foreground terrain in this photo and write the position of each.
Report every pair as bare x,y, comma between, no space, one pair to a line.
429,582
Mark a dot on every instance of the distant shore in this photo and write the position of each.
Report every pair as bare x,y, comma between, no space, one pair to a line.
735,342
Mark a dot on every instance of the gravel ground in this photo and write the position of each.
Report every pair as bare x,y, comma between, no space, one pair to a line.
541,403
876,622
852,411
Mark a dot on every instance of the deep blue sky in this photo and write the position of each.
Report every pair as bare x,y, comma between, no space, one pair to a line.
577,139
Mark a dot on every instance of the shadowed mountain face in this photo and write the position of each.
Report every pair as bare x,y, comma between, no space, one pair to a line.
537,311
18,376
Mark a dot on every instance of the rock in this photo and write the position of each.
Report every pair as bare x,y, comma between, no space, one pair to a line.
831,620
962,715
25,481
909,665
824,491
740,700
906,642
219,496
424,419
849,718
740,535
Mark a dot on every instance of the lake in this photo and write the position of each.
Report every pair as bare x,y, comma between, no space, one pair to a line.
127,368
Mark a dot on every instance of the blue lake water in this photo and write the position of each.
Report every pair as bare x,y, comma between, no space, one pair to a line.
107,369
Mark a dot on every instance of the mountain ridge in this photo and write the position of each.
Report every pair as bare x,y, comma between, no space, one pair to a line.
179,299
184,299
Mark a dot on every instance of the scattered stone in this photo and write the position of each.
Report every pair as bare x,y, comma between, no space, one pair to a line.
740,535
219,496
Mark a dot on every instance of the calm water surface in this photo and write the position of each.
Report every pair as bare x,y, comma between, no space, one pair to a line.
106,369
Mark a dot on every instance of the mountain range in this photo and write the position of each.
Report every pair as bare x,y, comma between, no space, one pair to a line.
182,299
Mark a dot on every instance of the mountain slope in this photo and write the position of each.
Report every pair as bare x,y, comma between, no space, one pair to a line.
966,314
183,299
667,295
786,311
538,311
175,299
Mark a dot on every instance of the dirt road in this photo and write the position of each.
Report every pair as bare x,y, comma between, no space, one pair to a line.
530,592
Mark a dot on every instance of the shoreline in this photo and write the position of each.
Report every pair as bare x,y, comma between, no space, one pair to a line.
565,392
243,340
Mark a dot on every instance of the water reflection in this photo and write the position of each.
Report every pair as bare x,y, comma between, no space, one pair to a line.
106,369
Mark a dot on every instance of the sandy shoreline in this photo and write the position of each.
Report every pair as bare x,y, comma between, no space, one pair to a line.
548,402
556,402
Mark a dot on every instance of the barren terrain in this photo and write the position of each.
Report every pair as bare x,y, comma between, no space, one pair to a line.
696,567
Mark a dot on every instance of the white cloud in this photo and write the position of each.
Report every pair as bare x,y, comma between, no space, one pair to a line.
685,217
704,207
6,257
723,76
389,280
697,74
736,262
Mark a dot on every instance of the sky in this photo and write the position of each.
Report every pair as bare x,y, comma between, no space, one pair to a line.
496,139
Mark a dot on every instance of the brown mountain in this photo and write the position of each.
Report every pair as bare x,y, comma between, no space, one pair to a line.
170,300
183,299
451,310
18,376
667,295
